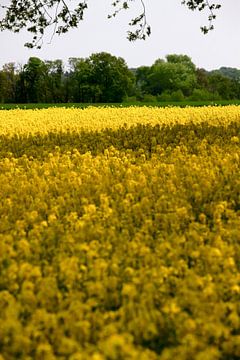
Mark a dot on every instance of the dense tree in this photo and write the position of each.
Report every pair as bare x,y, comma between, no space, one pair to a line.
38,15
183,60
202,78
111,77
8,78
35,73
100,78
142,78
81,89
177,73
103,77
2,92
54,82
21,90
220,84
231,73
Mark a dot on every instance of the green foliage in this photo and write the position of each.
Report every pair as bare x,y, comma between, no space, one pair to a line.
174,96
8,83
178,73
111,75
55,84
130,99
127,103
100,78
231,73
148,98
34,74
80,87
203,95
177,95
164,96
104,78
181,59
220,84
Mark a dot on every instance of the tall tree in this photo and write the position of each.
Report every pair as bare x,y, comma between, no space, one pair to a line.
35,72
80,77
181,59
8,78
111,76
177,73
229,72
100,78
21,90
38,15
142,78
220,84
54,81
202,79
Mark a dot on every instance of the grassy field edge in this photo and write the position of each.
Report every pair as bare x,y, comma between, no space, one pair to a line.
124,104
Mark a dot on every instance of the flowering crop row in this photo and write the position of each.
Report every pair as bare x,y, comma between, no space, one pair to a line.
65,120
120,242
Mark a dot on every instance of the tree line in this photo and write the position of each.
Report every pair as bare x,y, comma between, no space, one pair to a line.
104,78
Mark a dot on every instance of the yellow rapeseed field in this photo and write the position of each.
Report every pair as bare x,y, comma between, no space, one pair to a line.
120,234
95,119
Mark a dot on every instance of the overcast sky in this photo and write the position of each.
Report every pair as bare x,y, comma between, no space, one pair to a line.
175,29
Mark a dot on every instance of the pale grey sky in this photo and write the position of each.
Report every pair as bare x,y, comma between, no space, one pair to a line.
175,29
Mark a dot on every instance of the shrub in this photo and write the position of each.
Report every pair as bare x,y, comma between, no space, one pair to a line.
203,95
177,95
164,96
149,98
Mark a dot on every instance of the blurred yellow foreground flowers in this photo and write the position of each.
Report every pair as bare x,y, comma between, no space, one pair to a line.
119,234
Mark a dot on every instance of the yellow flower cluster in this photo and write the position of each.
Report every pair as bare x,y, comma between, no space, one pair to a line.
120,242
60,120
